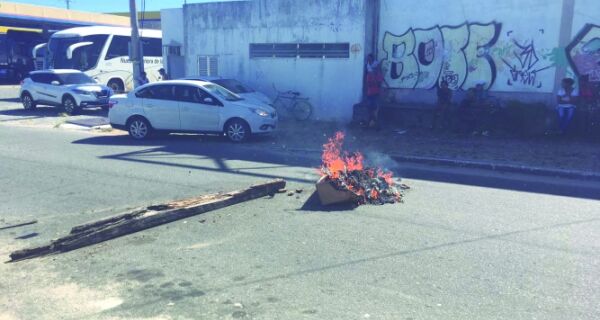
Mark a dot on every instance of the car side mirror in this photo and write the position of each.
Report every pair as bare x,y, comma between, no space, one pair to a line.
55,83
208,100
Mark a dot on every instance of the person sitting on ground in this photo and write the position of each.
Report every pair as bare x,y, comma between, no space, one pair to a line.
467,112
487,107
163,74
567,97
444,101
373,81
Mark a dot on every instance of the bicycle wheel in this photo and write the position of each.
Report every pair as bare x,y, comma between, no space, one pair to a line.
302,110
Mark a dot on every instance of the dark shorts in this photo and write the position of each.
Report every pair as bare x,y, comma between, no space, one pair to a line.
372,101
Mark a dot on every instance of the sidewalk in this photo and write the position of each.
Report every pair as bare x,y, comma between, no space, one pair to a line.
545,155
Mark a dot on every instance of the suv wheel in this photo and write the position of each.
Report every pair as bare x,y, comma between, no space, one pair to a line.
237,130
69,105
116,86
139,128
28,102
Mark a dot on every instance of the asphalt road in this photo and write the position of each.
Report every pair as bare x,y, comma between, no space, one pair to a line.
465,244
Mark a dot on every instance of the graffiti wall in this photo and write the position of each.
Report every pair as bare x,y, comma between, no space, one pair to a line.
584,53
511,46
420,58
465,55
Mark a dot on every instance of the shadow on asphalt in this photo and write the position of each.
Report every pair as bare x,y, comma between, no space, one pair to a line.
13,100
163,150
48,111
314,204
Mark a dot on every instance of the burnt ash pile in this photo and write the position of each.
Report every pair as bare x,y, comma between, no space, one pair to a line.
347,173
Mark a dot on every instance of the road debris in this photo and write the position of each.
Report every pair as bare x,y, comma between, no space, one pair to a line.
145,218
344,178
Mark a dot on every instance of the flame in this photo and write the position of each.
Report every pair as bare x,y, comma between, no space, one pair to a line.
348,172
336,162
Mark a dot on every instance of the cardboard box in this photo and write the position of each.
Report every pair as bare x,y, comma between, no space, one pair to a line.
328,194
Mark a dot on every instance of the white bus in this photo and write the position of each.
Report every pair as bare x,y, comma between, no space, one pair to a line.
103,54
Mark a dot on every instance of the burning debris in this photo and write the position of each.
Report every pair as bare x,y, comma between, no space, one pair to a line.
344,178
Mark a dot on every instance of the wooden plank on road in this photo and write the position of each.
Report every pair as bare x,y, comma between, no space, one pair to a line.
145,218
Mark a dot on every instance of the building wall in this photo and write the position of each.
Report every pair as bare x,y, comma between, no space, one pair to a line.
512,45
583,52
519,48
172,35
227,29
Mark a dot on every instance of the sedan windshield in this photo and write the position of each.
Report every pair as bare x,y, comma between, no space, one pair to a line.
221,92
74,78
233,85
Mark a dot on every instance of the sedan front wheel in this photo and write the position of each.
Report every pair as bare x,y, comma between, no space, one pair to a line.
237,130
139,129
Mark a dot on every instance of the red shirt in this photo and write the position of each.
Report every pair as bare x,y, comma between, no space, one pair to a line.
374,80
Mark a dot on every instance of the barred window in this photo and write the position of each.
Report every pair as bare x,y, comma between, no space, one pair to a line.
208,66
299,50
172,50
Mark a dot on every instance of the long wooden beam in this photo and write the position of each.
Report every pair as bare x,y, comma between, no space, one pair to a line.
145,218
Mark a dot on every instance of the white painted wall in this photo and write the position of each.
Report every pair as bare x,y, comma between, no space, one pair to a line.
227,29
172,19
458,53
172,22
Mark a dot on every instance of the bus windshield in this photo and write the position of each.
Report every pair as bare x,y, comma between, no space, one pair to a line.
84,58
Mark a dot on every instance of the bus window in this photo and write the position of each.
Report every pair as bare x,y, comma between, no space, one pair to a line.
152,47
119,47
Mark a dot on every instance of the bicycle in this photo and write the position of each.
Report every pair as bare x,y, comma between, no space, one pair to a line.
298,106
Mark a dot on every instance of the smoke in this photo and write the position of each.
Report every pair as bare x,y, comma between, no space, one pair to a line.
380,160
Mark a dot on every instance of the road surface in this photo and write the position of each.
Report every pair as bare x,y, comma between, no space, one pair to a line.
465,244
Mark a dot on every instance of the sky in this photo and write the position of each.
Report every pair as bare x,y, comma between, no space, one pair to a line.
109,5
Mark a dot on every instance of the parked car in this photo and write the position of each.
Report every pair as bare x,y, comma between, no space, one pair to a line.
189,106
70,89
236,87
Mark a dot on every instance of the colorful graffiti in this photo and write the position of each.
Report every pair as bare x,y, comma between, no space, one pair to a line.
420,58
584,53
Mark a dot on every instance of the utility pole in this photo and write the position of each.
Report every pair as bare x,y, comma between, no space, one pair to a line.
68,2
135,54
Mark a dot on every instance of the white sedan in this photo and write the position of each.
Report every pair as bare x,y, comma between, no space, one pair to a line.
189,106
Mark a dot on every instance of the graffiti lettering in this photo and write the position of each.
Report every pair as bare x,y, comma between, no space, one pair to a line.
420,58
584,53
523,70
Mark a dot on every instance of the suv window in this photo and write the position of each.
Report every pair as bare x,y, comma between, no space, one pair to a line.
42,78
119,47
36,77
159,92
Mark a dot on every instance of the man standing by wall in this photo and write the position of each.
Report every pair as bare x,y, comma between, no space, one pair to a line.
373,80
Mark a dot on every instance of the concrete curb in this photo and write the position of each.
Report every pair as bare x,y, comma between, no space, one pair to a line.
70,126
560,173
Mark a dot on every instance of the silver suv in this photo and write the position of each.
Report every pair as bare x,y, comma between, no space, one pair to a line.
72,90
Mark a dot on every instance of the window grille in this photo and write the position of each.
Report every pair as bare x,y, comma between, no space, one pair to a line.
208,66
299,50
